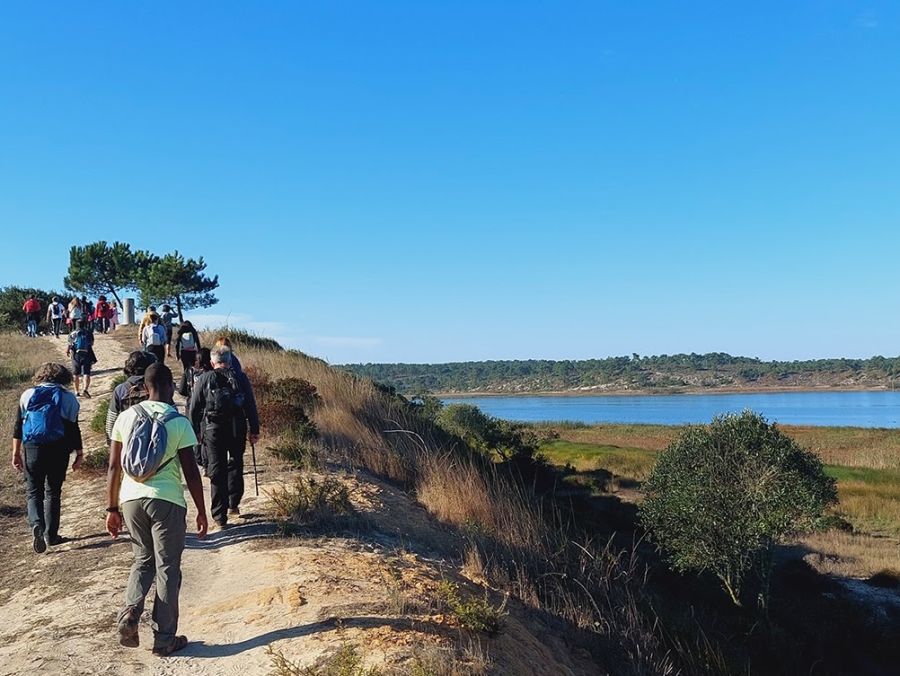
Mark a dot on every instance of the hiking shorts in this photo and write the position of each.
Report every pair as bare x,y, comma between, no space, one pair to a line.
81,364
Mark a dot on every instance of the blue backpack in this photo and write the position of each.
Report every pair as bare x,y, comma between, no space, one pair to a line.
82,341
43,423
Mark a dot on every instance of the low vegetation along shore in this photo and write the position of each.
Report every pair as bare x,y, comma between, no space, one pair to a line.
545,566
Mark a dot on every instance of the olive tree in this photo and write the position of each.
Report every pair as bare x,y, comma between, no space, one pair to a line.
721,496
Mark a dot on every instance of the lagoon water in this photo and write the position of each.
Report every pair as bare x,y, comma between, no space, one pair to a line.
854,409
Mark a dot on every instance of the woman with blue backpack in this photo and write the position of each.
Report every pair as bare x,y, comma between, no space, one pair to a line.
46,433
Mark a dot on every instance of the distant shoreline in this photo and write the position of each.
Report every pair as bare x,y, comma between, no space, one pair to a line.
657,392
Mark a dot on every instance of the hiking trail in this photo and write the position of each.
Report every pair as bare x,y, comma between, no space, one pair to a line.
243,588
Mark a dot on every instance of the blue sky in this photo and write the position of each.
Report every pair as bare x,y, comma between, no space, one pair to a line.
424,181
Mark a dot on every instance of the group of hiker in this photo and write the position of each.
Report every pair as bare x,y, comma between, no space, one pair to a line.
101,317
151,446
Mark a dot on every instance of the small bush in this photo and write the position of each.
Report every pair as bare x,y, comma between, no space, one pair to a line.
283,404
474,614
296,453
721,496
345,662
96,459
312,502
98,420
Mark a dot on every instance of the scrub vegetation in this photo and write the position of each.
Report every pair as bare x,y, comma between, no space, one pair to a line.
662,373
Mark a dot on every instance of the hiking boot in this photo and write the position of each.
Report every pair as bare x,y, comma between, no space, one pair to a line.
177,644
55,540
234,511
38,544
86,394
220,524
127,628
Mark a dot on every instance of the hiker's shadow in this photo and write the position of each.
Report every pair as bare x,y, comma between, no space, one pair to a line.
232,535
214,650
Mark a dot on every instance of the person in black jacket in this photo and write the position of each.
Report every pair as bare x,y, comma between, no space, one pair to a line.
45,462
132,391
223,413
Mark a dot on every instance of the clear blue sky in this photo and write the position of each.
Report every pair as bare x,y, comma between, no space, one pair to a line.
425,181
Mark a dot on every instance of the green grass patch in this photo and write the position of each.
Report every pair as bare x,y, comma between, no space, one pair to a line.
630,463
98,420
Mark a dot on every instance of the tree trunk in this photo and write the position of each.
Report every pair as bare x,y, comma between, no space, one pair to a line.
178,307
733,593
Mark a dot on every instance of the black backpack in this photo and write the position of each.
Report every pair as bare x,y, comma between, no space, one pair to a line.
224,397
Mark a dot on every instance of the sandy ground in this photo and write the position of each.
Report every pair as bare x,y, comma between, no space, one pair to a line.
246,588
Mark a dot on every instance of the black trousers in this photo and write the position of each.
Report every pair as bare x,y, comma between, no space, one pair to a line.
225,468
159,351
187,359
45,471
57,323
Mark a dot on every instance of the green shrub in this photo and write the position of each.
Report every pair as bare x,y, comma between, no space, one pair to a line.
296,453
475,614
312,502
721,496
345,662
13,297
96,458
98,420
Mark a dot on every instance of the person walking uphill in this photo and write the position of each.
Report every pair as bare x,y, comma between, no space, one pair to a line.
132,391
187,342
223,411
153,338
45,434
152,446
32,310
56,313
81,349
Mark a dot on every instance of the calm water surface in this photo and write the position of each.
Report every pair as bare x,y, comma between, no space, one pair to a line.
856,409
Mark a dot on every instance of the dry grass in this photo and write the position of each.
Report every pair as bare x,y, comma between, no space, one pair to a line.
847,446
515,542
20,356
850,555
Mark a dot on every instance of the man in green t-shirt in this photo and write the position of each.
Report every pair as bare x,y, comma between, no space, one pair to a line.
154,511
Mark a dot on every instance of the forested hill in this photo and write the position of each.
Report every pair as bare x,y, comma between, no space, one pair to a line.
679,372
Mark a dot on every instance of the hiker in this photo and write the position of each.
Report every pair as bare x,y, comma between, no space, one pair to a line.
88,309
56,313
132,391
45,434
167,319
153,338
81,349
152,446
32,310
145,322
101,315
202,364
187,342
186,388
113,315
75,313
225,341
222,409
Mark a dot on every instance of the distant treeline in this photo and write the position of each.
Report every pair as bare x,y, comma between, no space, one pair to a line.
664,372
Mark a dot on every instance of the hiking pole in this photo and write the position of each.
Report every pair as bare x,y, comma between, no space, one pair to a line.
255,476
